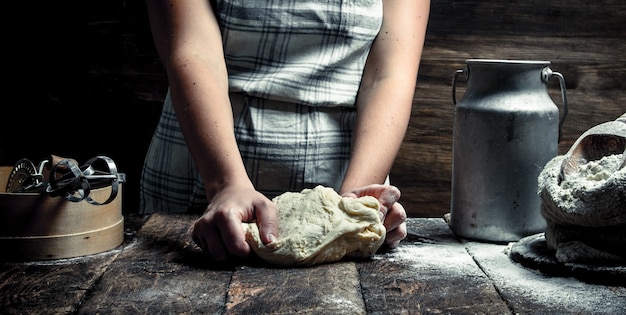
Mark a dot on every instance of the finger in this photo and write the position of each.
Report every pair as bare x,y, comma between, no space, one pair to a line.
395,223
395,217
215,246
208,240
200,242
383,212
196,235
266,220
387,195
232,232
394,237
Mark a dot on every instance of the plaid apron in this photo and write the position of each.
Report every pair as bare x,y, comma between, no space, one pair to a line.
294,72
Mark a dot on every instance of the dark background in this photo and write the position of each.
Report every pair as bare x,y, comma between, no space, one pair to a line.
83,80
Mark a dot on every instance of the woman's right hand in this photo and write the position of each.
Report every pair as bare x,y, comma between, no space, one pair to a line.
219,231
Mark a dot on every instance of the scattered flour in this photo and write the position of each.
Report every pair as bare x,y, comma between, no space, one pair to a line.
592,174
594,186
529,291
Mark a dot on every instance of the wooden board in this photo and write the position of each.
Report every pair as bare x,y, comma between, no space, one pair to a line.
145,280
581,39
528,292
154,275
421,278
330,289
50,288
158,270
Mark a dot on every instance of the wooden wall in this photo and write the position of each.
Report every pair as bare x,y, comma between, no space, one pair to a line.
584,40
84,79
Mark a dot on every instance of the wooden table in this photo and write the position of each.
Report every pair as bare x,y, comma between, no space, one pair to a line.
158,270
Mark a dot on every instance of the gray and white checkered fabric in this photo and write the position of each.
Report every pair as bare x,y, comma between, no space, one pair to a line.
294,71
303,52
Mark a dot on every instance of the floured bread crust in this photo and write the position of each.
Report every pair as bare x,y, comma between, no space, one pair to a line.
319,226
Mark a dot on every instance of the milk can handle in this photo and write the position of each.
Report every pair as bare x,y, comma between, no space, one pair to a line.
546,74
456,74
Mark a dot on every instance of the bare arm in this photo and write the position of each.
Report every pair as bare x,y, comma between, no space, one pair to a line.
384,108
386,93
188,40
189,44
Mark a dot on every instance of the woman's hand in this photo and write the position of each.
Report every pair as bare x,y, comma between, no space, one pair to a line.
392,212
219,231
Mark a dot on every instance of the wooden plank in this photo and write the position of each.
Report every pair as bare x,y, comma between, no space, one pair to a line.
161,272
55,286
560,18
431,272
323,289
593,59
527,291
50,287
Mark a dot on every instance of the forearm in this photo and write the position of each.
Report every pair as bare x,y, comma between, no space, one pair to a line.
188,41
205,115
382,119
386,93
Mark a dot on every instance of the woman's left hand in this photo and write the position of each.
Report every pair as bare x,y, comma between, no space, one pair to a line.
392,212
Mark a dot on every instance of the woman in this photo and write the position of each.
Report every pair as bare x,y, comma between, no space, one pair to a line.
274,96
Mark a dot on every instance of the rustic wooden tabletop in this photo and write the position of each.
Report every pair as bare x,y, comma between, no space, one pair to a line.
158,270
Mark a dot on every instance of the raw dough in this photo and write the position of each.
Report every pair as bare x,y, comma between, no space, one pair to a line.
319,226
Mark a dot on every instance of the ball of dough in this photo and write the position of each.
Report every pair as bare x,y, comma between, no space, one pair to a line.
319,226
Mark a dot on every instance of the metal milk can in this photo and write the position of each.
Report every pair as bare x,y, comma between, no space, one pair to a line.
506,128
